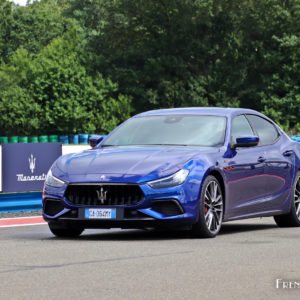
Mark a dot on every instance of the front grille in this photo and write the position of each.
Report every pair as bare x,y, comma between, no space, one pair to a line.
104,194
52,207
167,207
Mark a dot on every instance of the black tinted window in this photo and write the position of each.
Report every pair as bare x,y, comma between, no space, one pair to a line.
266,131
240,127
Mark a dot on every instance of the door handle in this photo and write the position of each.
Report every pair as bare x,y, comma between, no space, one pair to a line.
261,159
288,153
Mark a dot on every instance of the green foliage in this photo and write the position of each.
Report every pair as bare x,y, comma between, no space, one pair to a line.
52,92
281,99
19,112
187,53
31,27
86,65
5,21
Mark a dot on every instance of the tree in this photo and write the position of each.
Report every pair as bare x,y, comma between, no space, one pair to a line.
57,88
89,56
31,27
6,19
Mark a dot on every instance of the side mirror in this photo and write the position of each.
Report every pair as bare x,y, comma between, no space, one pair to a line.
95,140
246,141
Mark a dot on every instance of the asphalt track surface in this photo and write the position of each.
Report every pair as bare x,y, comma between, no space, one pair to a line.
242,262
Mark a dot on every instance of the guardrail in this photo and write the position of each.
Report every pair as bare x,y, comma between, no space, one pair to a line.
20,202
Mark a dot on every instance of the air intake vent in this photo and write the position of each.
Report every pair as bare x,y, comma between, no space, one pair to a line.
104,194
52,207
168,207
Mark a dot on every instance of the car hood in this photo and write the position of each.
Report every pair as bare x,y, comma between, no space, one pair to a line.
124,164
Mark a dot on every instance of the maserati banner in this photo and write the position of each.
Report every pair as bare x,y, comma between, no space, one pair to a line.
25,166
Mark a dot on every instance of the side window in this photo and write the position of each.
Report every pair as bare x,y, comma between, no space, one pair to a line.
266,131
240,126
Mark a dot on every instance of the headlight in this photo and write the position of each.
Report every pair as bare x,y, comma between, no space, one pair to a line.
173,180
53,181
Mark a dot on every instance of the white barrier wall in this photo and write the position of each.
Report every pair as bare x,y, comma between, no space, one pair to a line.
66,149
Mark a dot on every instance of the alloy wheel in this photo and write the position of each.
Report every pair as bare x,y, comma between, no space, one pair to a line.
213,206
297,198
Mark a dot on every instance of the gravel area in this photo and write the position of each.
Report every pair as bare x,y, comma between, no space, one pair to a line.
21,214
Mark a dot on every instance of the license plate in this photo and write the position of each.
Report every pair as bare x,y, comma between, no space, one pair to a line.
100,213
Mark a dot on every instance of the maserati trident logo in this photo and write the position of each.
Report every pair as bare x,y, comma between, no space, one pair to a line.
31,160
101,195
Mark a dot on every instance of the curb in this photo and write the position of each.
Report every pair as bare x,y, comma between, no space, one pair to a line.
14,202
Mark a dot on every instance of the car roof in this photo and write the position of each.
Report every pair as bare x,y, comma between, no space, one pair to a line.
217,111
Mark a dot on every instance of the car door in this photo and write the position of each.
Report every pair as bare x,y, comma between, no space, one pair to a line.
278,162
244,173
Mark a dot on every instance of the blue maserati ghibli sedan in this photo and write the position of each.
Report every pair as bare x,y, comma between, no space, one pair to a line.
187,167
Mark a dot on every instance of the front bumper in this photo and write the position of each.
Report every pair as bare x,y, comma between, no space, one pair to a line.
125,217
138,221
159,208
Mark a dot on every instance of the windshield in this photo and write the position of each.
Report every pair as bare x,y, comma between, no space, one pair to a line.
187,130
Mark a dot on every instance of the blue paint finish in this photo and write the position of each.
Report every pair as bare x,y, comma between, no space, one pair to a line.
61,213
159,216
252,186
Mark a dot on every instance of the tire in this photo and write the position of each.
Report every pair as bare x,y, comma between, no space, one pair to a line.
292,219
65,231
210,209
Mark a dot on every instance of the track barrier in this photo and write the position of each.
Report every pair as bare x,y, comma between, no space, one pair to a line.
22,171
